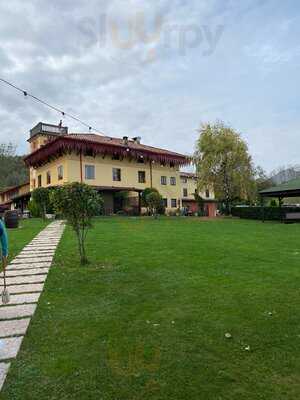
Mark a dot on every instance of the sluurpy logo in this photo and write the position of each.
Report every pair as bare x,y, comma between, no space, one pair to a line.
139,38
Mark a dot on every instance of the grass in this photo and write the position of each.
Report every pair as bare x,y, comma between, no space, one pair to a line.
19,237
147,318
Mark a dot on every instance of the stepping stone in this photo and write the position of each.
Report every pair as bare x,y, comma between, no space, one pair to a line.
4,367
24,272
48,240
40,248
38,251
33,255
9,347
24,279
12,312
35,287
31,260
29,266
14,327
22,299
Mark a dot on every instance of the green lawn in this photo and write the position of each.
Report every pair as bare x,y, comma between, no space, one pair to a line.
19,237
147,319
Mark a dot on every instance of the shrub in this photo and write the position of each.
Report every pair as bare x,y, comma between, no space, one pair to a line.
41,197
34,209
152,199
266,213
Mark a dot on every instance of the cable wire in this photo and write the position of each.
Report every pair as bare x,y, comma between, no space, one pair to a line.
63,113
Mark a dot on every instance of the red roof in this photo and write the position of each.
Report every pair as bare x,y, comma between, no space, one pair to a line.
9,189
93,144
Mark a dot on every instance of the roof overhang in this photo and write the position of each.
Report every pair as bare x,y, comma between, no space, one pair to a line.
281,193
64,145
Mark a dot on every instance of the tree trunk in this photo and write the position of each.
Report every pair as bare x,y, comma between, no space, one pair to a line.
81,248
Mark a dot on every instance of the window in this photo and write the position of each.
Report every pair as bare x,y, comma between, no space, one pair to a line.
165,202
207,193
142,176
89,171
115,157
185,192
33,183
116,174
184,179
60,172
174,203
39,180
48,178
173,180
141,160
163,180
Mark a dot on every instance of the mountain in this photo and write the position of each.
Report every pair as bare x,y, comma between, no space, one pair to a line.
285,174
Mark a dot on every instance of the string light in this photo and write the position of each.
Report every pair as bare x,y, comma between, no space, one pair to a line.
26,94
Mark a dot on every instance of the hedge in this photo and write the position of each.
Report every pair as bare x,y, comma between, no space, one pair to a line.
266,213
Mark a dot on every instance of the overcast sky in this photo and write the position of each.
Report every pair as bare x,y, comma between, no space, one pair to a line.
156,69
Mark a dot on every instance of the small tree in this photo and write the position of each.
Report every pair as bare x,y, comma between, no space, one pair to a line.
41,198
145,194
154,202
78,203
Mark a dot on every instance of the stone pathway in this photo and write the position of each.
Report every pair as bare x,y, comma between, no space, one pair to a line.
26,276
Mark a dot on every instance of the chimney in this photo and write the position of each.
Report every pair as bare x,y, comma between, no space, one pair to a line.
125,140
137,139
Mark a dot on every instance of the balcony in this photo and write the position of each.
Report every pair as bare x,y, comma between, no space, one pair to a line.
44,128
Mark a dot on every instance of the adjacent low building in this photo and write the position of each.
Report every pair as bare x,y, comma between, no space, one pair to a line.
118,168
16,197
190,200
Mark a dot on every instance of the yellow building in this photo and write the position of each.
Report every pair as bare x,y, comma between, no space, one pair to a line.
111,165
118,168
189,184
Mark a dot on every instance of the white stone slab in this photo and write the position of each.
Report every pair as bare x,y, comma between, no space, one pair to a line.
41,249
4,367
42,256
41,246
31,260
12,312
14,327
35,287
22,299
45,241
20,280
29,266
9,347
35,251
24,272
47,237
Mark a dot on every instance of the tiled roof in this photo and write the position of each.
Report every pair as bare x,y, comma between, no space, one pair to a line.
91,137
95,144
11,188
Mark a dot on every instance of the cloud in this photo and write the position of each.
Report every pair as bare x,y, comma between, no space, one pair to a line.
202,61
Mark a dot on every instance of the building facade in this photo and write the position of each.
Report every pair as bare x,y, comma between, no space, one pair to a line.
118,168
190,193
